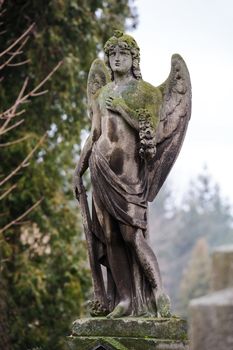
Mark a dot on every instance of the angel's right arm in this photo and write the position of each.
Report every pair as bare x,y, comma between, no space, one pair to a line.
129,116
92,138
119,106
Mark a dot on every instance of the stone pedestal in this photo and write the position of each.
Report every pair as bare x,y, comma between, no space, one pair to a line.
212,315
128,334
212,321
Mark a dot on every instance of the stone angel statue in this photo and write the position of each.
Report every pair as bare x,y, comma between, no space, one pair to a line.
136,134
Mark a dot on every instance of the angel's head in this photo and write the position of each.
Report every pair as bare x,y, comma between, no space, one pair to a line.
127,43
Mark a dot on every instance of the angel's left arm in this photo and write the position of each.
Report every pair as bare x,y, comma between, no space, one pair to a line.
92,138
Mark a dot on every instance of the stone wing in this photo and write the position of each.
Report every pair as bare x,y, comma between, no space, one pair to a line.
175,113
98,77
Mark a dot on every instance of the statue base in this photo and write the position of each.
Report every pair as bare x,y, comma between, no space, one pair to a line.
132,333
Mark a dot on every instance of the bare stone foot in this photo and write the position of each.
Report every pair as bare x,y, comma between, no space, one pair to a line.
163,305
122,309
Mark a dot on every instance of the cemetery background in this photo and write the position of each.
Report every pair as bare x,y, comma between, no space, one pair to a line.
56,282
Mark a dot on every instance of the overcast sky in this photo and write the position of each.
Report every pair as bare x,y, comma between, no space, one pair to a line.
202,32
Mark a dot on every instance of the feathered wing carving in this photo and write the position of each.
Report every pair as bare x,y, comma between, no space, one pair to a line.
98,77
175,113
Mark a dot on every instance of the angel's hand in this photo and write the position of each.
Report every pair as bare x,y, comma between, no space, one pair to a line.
113,104
78,186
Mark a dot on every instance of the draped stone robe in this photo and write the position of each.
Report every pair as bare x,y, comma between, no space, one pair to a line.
127,204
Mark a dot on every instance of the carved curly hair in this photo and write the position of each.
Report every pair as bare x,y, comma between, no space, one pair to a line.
128,42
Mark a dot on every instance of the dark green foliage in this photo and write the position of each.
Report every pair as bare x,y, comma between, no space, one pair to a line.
43,261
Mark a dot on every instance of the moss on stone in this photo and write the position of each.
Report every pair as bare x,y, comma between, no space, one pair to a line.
119,37
115,343
126,343
138,94
167,328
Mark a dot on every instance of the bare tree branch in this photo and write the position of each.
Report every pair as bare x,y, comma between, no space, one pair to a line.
45,79
24,162
16,114
10,113
7,144
8,191
3,11
7,117
22,99
39,93
11,127
14,54
9,48
19,63
17,220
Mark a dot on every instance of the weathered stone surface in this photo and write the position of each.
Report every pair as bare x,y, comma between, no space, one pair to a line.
222,268
173,328
120,343
136,135
212,321
129,334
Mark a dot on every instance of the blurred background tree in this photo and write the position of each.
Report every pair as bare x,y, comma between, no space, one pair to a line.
196,275
184,234
9,122
43,259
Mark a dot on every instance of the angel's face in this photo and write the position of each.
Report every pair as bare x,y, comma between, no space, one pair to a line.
120,59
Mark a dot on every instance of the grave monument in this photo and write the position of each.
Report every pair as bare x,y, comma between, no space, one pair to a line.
136,134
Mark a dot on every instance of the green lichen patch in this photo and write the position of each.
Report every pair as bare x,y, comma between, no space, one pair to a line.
136,95
167,328
126,343
118,38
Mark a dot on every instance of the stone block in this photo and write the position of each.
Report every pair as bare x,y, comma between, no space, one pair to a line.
212,321
222,268
128,334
